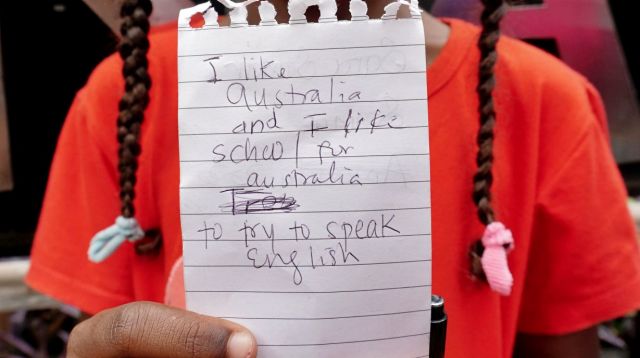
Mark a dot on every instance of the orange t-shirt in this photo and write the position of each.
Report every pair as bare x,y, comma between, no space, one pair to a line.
556,186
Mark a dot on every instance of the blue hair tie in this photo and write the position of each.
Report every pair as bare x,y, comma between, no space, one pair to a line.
106,242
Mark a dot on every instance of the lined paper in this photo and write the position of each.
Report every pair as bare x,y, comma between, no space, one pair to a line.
304,184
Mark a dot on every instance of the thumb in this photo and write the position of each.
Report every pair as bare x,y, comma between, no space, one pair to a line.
145,329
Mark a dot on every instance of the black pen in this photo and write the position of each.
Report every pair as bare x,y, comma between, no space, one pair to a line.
438,336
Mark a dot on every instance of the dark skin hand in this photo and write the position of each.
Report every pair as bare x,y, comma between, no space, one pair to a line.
145,329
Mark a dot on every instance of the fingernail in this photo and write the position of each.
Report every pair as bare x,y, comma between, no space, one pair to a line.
240,345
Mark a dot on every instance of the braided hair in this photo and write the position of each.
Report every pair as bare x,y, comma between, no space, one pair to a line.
492,14
133,50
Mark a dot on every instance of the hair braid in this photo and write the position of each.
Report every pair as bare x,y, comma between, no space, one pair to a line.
491,15
133,51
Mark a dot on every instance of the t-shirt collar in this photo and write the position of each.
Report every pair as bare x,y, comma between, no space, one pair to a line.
455,51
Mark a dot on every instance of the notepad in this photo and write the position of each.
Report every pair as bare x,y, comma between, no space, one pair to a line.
304,180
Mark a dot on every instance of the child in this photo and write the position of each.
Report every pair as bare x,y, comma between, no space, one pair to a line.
575,261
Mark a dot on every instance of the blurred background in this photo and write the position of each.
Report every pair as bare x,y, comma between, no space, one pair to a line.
49,47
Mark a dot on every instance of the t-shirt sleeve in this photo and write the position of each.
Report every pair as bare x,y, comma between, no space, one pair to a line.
81,199
584,261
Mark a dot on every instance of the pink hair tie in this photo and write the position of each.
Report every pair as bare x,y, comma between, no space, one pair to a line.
497,241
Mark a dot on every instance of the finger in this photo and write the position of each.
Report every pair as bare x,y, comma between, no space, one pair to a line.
145,329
